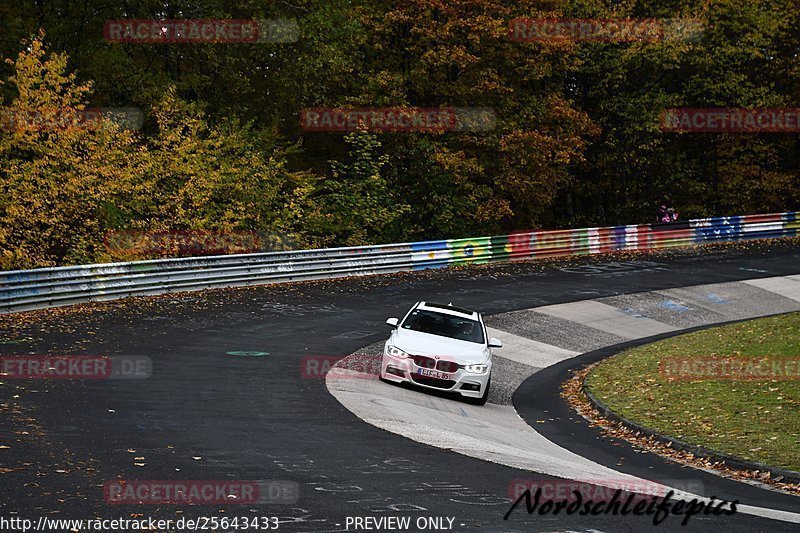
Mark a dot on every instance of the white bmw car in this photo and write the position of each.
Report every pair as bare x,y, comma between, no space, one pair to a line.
440,347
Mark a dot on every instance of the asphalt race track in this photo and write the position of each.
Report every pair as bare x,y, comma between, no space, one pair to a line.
496,433
227,399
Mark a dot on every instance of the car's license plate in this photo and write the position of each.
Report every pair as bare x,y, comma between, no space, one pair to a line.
428,373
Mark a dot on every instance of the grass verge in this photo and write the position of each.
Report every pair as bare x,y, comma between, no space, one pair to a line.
757,420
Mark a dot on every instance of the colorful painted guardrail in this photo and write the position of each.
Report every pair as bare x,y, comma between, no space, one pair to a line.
22,290
552,243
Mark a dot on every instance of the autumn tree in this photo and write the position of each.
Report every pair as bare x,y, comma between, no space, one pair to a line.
576,141
61,174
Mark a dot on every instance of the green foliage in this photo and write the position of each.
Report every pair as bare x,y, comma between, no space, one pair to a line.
744,57
577,140
357,200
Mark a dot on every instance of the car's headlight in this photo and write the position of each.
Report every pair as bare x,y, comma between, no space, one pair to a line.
476,369
394,351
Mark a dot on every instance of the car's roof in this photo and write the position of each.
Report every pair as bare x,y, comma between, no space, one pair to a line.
449,309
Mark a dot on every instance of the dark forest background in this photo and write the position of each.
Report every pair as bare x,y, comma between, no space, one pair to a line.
577,140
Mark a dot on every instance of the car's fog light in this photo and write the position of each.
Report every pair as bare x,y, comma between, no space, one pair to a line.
395,371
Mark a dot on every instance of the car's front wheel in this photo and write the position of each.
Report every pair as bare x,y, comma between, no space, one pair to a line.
484,396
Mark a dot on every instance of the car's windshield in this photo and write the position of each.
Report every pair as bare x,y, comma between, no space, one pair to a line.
451,326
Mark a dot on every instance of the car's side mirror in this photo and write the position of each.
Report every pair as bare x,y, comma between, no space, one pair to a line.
495,343
392,322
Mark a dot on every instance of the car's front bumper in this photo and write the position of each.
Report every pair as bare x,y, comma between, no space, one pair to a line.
404,370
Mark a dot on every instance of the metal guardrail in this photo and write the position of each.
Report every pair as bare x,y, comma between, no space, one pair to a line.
22,290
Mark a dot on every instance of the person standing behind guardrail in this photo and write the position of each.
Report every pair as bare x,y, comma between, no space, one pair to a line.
662,215
672,215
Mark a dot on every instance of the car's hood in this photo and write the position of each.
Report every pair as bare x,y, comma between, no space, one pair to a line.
417,343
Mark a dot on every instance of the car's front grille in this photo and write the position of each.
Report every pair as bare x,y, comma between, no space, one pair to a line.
433,382
433,364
